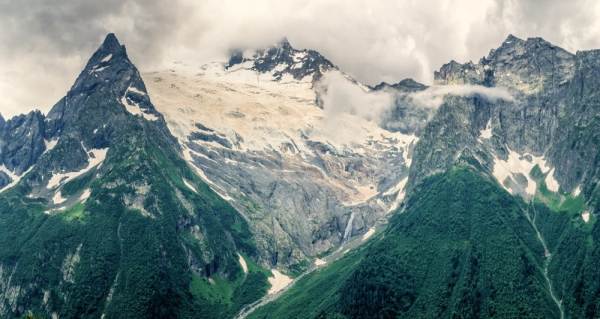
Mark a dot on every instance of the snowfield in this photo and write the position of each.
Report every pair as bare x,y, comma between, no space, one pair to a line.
261,112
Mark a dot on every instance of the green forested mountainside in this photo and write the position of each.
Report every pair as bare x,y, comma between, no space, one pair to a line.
99,257
575,258
463,247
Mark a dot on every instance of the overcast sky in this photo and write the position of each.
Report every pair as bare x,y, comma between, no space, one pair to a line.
45,44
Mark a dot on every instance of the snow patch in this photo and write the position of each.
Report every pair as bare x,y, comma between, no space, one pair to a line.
208,181
85,195
487,133
61,178
577,191
551,183
135,90
280,67
15,178
517,164
189,185
401,193
319,262
298,56
107,58
243,263
98,70
586,216
278,281
133,107
368,234
57,199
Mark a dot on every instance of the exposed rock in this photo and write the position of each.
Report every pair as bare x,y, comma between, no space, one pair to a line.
22,141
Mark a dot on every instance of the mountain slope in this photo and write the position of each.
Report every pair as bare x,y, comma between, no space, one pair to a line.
501,207
463,247
111,222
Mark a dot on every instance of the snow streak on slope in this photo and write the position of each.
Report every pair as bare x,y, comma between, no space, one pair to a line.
61,178
14,177
133,108
487,132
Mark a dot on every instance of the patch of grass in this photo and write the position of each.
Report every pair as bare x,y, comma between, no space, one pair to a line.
326,253
298,268
73,212
251,206
536,173
254,267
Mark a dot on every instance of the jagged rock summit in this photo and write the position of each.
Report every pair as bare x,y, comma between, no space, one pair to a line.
283,59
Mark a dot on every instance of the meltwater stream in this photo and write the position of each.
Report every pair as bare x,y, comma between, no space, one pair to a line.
548,258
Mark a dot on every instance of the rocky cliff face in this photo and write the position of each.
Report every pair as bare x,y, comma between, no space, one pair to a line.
406,116
576,141
22,142
540,79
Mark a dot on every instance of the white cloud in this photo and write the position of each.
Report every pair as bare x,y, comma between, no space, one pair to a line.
45,44
433,96
340,98
339,95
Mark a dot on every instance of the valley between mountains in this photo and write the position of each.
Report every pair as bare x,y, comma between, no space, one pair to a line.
274,185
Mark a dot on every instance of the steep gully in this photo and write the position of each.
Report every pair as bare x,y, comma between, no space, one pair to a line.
548,256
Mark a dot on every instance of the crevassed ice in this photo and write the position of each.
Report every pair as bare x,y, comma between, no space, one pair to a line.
267,113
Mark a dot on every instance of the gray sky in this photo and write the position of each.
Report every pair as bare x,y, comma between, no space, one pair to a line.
45,44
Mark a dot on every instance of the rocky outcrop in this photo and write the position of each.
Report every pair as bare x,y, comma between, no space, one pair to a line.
536,74
22,142
406,116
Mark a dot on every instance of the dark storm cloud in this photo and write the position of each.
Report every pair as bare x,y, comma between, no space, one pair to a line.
44,44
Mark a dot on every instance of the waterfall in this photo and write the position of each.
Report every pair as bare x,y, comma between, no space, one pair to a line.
348,231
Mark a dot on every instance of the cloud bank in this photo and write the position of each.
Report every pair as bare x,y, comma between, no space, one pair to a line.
45,44
345,101
433,96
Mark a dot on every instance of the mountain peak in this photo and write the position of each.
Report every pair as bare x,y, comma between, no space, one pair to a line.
109,49
407,85
511,38
282,58
111,43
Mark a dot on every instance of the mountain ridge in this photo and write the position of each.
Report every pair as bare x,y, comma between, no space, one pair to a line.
139,195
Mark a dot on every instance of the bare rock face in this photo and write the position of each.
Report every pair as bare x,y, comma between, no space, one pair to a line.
405,116
539,79
21,142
